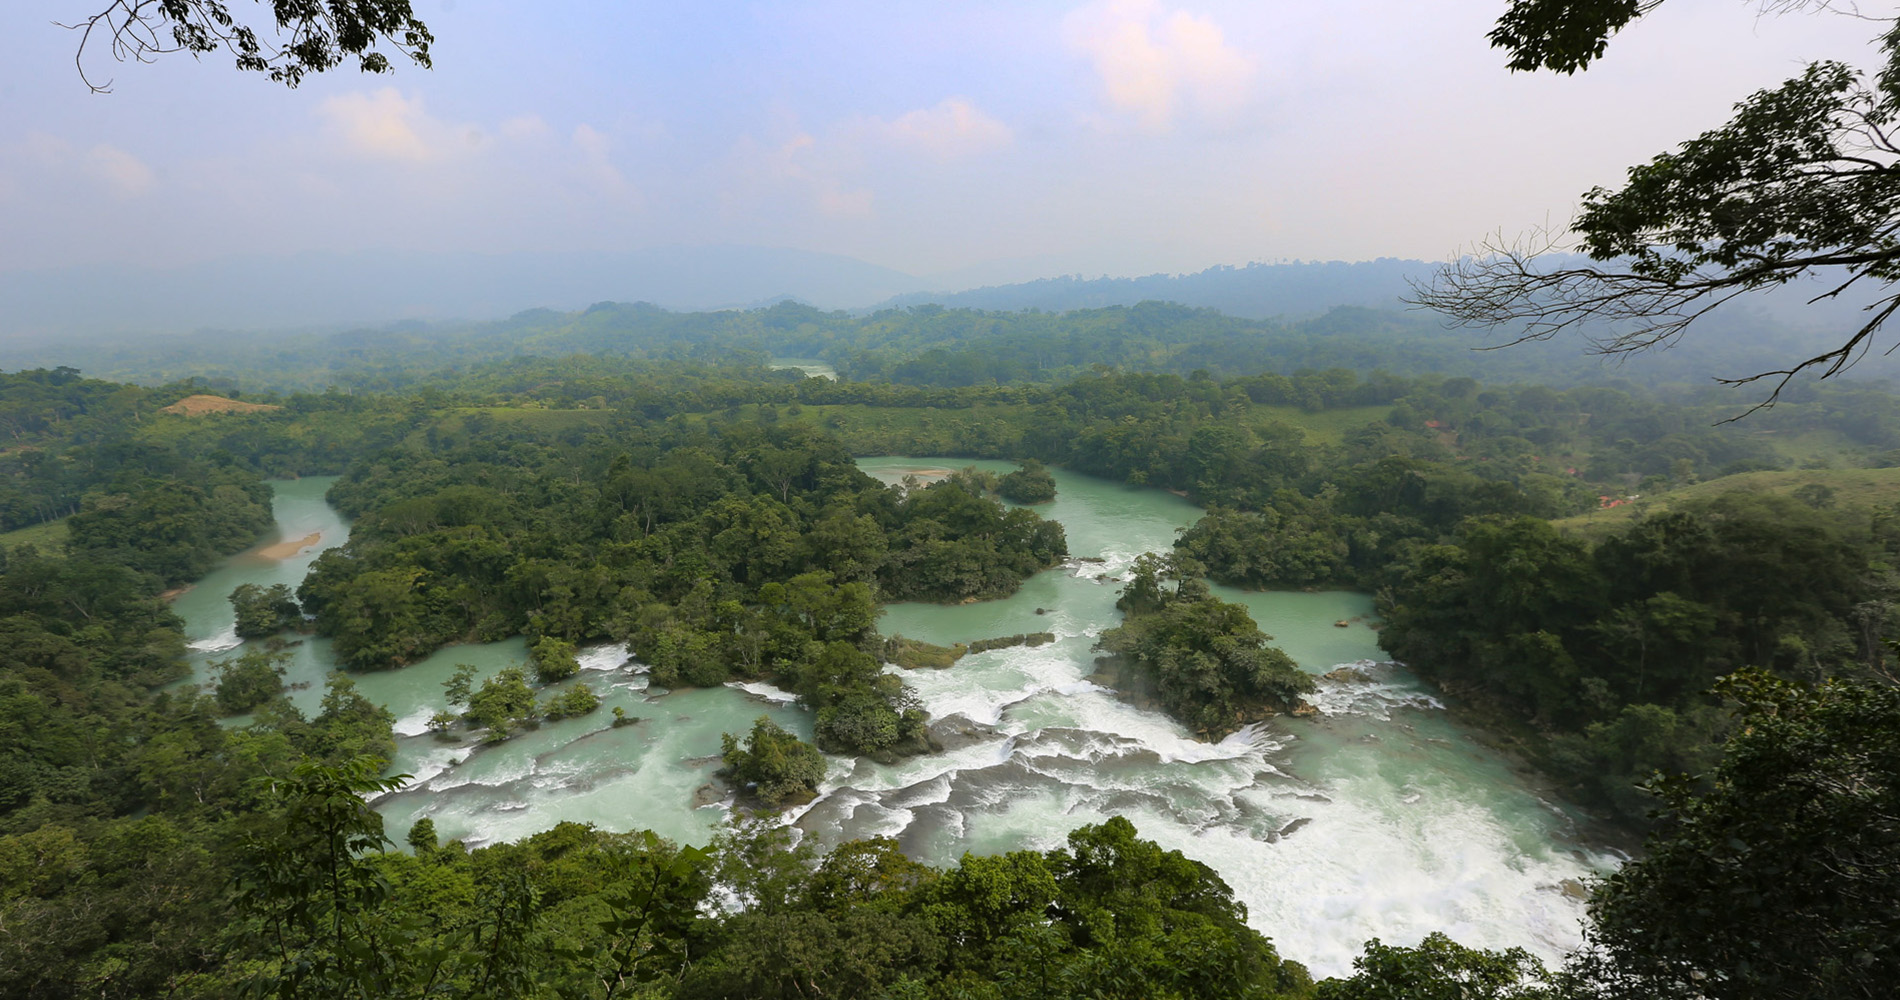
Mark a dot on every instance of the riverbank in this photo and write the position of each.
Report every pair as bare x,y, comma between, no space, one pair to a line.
1525,748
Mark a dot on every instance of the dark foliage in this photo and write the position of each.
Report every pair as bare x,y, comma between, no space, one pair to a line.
1204,659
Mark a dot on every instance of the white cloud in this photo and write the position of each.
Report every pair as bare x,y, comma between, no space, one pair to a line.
126,175
46,156
597,166
1153,61
818,168
385,125
955,127
830,170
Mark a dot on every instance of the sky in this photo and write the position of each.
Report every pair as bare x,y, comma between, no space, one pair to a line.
968,142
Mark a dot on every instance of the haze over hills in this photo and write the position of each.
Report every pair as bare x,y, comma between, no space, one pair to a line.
1297,290
234,318
317,291
325,290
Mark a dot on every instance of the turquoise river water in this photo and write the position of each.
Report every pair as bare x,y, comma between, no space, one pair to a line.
1378,818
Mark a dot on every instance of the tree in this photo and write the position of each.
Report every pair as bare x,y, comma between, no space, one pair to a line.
310,890
553,659
1029,484
1438,969
575,701
1804,182
248,680
783,769
502,704
263,611
1205,659
314,35
1779,876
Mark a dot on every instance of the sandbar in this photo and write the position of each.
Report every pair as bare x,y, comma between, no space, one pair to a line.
285,549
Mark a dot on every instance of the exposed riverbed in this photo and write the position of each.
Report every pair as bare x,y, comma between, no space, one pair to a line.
1381,818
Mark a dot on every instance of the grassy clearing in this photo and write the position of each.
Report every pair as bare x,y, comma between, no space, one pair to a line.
49,537
1854,489
1325,427
1824,446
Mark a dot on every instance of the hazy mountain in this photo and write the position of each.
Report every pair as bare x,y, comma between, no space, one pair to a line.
1255,291
314,290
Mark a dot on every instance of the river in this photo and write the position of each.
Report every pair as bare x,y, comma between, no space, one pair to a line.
1380,818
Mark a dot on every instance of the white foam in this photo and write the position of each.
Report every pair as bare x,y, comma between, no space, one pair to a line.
1331,832
606,657
1092,707
1323,863
1367,866
982,687
225,640
764,691
416,723
495,770
929,792
1374,693
432,764
1116,563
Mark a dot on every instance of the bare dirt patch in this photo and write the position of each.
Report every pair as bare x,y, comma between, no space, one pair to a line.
290,546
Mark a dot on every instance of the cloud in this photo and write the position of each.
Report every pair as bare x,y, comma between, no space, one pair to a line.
385,125
820,169
45,156
838,172
126,175
598,167
953,128
1153,61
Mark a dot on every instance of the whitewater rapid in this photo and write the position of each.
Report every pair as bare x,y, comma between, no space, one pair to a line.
1378,818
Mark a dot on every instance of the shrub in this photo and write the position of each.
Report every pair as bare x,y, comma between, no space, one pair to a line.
781,768
575,701
553,659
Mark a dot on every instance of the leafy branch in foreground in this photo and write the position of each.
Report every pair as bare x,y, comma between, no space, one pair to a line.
315,36
309,887
1803,183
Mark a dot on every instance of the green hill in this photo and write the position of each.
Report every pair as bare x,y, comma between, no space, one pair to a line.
1856,489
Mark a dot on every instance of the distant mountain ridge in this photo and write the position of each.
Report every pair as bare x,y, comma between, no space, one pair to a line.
1298,290
328,290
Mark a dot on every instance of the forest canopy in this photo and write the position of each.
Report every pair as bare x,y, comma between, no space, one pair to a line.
715,521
